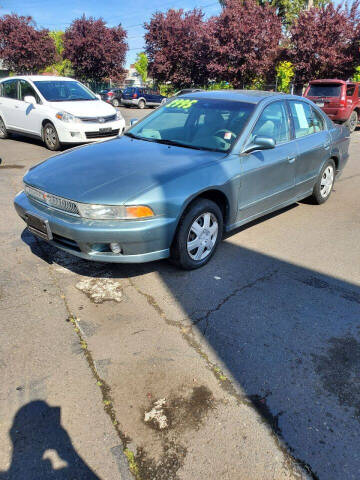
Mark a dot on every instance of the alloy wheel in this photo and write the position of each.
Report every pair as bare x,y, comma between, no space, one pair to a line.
327,181
202,236
353,122
50,136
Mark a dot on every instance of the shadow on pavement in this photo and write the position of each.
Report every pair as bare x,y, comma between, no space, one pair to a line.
42,449
288,335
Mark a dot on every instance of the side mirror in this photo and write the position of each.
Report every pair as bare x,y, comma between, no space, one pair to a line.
30,99
260,143
133,121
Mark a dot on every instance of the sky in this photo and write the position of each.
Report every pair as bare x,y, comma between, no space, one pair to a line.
57,15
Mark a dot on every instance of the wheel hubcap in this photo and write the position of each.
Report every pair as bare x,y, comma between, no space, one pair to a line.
50,136
327,181
202,236
353,122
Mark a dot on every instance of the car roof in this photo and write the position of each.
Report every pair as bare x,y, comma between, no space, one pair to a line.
248,96
328,80
37,78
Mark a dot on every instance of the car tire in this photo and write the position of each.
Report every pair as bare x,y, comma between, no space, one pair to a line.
352,121
141,104
201,226
51,138
116,102
324,185
3,130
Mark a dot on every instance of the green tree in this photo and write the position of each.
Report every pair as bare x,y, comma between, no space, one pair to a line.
141,66
356,76
62,66
284,75
288,10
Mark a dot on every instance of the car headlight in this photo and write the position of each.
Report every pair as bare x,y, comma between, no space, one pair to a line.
67,117
114,212
118,115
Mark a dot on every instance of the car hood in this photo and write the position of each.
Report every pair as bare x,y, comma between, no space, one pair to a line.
114,171
91,108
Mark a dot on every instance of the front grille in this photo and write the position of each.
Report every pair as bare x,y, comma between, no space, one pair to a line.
112,133
53,201
109,118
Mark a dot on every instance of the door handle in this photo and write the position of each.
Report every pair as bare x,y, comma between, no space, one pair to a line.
291,158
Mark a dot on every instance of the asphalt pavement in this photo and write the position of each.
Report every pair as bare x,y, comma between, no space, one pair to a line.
245,369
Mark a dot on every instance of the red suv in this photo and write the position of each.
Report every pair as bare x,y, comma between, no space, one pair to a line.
339,100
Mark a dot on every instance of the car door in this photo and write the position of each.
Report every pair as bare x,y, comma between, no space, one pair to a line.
268,176
313,143
9,103
30,116
156,98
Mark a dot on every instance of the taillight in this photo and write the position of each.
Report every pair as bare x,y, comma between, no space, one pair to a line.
343,98
134,95
110,94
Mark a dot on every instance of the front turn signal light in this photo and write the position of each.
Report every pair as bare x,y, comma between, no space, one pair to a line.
139,211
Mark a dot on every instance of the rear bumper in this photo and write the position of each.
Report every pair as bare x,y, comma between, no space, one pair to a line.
140,241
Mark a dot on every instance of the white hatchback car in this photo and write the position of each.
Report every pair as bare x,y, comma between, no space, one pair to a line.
59,110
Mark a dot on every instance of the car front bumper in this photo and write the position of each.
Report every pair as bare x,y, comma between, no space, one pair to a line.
140,240
88,132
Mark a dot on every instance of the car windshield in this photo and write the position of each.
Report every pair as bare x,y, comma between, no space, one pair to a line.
202,124
325,90
64,91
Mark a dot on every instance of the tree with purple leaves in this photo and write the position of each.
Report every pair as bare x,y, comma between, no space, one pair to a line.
23,48
95,50
178,47
324,42
246,41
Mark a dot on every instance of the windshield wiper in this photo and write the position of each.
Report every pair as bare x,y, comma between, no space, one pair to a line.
185,145
131,135
174,143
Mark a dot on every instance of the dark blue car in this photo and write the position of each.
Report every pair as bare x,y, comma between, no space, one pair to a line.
141,97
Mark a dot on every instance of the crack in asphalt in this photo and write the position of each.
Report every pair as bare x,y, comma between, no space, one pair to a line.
296,466
237,290
105,389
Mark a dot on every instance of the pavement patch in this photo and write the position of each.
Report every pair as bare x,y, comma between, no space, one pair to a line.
101,290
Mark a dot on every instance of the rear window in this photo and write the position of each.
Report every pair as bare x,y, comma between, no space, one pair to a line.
325,90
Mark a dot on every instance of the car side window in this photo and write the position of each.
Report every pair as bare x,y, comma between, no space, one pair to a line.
10,89
273,122
26,90
318,121
350,89
303,119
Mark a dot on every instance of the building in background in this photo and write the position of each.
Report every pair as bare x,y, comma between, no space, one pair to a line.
133,79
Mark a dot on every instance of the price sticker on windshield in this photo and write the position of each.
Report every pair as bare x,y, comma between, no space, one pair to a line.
182,103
